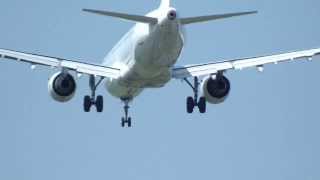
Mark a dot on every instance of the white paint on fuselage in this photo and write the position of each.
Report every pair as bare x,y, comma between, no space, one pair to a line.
145,56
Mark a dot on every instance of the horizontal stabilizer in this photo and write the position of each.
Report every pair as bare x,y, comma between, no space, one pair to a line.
199,19
130,17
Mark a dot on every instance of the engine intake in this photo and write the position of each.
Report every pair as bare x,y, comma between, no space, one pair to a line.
216,90
62,87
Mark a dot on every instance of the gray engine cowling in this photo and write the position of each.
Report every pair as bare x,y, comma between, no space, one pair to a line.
216,89
62,87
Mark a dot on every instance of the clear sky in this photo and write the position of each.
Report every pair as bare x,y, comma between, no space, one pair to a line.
267,129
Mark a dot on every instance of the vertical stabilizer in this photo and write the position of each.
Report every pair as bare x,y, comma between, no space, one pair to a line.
165,4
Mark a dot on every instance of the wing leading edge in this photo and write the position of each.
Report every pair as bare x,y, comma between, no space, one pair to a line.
239,64
53,62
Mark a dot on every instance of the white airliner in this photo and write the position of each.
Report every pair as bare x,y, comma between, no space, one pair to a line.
145,58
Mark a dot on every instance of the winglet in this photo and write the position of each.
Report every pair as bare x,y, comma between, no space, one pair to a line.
130,17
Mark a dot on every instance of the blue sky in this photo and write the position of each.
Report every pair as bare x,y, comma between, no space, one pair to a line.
267,129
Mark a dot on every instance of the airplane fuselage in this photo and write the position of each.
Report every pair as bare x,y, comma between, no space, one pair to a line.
145,55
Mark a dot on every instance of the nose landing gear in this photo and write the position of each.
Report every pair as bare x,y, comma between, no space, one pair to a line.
126,120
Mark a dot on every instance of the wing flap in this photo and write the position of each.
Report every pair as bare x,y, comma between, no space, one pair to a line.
199,70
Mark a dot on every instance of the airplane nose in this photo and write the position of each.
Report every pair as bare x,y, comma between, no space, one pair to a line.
172,15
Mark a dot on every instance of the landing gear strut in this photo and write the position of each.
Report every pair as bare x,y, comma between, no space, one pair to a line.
89,101
192,102
126,120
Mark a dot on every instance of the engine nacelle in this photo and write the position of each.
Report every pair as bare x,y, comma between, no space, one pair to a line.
216,90
62,87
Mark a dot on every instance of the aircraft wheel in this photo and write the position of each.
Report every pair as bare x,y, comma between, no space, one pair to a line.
202,105
190,105
87,103
129,122
99,103
123,122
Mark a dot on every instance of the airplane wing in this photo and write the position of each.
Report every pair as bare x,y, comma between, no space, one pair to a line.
239,64
53,62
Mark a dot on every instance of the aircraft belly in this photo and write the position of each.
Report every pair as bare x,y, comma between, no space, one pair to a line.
135,79
121,90
142,78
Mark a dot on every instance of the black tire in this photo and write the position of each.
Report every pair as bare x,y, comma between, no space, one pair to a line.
99,104
87,103
123,123
190,105
202,105
129,122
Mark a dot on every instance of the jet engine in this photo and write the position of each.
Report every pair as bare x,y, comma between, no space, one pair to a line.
62,86
216,89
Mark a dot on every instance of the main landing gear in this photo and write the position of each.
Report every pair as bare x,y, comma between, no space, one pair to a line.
192,102
126,120
89,101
